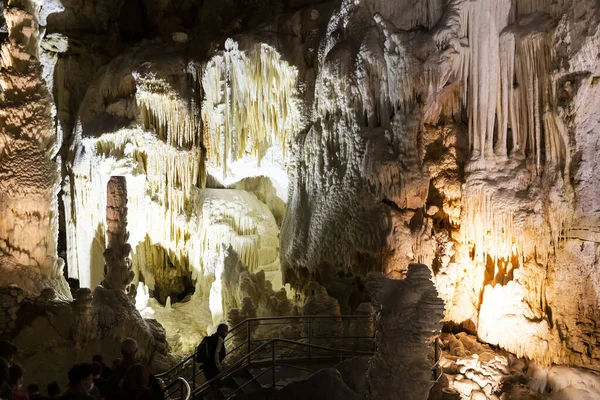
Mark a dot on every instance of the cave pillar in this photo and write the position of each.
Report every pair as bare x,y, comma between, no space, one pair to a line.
29,174
409,315
117,267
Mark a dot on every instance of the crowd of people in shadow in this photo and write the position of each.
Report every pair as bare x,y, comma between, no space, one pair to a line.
126,379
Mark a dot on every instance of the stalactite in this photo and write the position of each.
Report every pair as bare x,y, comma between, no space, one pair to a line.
505,103
250,103
172,174
175,120
484,20
508,85
489,227
495,226
532,72
524,7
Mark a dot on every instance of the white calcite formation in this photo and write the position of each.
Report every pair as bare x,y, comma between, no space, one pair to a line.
458,134
250,112
473,369
170,128
317,141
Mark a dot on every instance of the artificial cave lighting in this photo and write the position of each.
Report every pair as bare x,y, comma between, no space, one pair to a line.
168,167
179,228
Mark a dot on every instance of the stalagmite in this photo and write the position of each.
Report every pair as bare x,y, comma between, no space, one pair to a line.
118,274
410,314
250,146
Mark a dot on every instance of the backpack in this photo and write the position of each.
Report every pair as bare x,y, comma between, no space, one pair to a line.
202,352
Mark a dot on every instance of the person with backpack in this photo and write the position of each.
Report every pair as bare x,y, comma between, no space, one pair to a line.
211,352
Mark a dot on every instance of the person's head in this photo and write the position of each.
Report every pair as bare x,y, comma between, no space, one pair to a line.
81,377
128,349
53,389
137,378
96,369
15,376
32,389
7,351
98,358
222,330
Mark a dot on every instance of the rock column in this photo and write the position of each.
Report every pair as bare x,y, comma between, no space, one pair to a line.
117,267
408,318
29,175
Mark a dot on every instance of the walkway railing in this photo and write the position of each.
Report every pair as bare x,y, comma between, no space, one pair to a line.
315,339
353,332
179,388
273,353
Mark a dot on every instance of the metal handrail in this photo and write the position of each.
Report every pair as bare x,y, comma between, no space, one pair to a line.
253,356
235,367
227,372
193,355
245,323
245,327
183,384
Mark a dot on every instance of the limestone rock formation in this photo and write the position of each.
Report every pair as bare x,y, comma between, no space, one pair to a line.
452,133
410,314
251,291
117,271
95,323
320,140
29,172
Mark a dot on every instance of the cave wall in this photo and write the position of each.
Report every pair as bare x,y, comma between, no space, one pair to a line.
455,139
30,171
326,138
184,133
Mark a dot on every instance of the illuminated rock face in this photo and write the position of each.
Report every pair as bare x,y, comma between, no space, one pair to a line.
337,139
117,272
410,312
464,146
181,138
29,180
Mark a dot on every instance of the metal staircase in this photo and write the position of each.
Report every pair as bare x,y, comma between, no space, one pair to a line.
262,350
246,375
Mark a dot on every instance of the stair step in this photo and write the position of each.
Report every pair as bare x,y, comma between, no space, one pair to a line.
243,379
227,390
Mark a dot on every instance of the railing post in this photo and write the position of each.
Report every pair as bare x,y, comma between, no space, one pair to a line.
248,335
194,374
310,335
273,360
248,339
